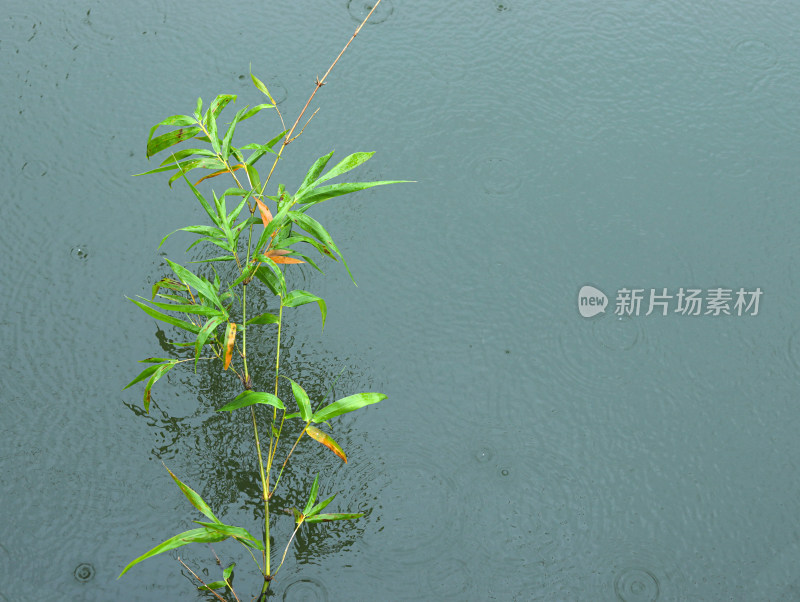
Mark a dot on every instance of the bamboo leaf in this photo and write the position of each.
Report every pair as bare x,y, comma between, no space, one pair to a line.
226,141
220,102
230,339
256,109
248,398
326,440
194,498
345,165
321,506
159,143
197,283
324,518
303,402
231,531
189,308
312,496
161,371
143,374
260,85
166,318
266,214
313,173
202,535
271,275
265,318
323,193
299,297
206,331
345,405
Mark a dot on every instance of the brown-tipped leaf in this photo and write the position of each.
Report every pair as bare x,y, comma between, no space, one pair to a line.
326,440
230,339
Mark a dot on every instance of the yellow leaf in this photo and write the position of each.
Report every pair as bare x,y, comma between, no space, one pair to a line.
326,440
219,173
266,216
230,339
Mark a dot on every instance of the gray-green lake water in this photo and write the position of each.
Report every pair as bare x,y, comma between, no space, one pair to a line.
525,452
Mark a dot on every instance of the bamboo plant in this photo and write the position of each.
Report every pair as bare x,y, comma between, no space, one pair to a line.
261,235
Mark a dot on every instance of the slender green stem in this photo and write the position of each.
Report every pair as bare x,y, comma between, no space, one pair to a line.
244,335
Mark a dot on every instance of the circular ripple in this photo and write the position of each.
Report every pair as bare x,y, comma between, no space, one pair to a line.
84,572
79,253
359,9
484,454
34,169
636,585
755,53
619,334
305,589
628,572
498,175
597,356
450,579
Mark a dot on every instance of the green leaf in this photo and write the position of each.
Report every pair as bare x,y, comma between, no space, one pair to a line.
197,283
319,507
202,535
248,398
261,149
159,143
161,371
201,199
271,268
199,109
323,193
189,308
211,123
313,227
213,164
169,283
256,109
220,102
260,85
205,332
301,397
194,498
166,318
323,518
298,297
313,172
265,318
345,165
313,496
345,405
226,141
171,163
231,531
212,585
143,374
